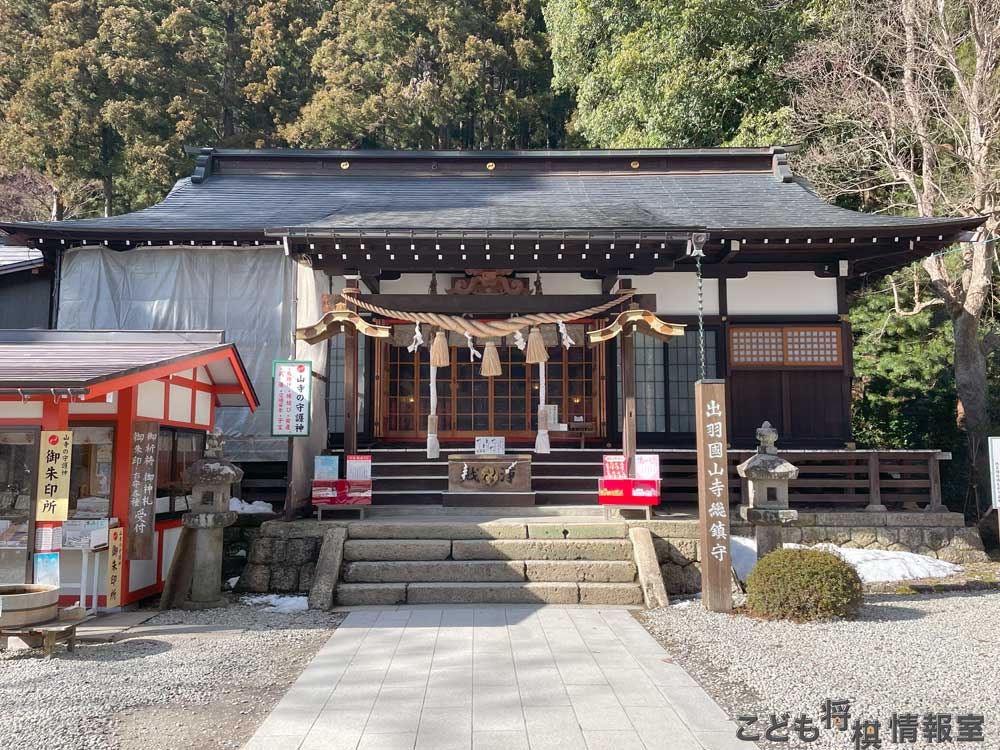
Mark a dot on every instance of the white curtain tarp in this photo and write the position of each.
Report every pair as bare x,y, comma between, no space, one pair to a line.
248,293
310,287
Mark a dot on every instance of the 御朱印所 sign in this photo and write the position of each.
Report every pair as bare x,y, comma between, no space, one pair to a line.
54,456
291,396
114,579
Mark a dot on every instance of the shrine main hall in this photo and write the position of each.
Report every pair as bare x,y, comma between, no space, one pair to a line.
599,284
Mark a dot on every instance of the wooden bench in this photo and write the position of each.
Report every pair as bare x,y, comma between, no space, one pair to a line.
45,635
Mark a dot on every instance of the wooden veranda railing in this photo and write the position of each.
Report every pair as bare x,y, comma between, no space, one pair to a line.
857,478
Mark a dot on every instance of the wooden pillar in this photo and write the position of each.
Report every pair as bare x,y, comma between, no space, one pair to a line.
713,494
351,380
121,474
874,484
55,414
934,477
628,397
628,389
290,507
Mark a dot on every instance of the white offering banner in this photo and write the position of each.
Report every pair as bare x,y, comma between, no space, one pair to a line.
291,394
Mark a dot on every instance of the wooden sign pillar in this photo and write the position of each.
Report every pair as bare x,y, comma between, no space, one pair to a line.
713,495
628,390
351,381
628,398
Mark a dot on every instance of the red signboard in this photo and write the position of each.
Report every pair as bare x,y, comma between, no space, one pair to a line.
628,491
342,492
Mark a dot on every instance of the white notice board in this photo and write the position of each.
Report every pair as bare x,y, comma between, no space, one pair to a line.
994,443
291,394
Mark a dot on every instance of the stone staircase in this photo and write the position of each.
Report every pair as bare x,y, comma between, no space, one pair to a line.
549,561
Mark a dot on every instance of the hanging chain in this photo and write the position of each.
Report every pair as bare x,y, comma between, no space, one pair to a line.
701,318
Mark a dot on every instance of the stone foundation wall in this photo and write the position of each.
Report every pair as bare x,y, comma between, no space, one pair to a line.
940,535
237,541
282,558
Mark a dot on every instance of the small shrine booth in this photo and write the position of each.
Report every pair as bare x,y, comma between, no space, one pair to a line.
96,428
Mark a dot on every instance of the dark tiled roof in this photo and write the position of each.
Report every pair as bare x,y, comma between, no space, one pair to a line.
246,195
78,359
17,258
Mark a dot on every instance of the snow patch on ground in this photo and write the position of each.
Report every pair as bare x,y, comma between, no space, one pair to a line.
257,506
873,565
686,602
278,603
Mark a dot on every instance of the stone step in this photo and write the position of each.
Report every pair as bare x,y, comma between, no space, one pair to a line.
550,528
430,483
580,571
410,483
428,572
542,549
356,594
492,593
611,593
524,593
396,549
359,594
437,530
472,571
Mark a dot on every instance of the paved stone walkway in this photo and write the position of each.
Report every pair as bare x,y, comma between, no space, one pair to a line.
494,678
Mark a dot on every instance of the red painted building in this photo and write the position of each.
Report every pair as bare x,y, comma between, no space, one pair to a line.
108,389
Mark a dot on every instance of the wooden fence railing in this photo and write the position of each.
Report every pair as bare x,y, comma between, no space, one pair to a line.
861,478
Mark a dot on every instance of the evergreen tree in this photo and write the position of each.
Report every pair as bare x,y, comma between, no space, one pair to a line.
677,73
431,74
111,90
904,378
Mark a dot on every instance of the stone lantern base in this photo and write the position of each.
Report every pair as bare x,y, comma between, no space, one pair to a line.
206,578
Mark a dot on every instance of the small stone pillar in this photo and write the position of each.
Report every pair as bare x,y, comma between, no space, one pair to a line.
767,476
211,480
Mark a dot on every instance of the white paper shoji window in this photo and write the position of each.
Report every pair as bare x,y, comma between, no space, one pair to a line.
756,346
785,346
812,347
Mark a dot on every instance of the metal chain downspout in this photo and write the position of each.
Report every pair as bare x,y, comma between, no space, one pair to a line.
701,318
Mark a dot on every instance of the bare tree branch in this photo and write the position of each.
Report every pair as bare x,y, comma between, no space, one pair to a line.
918,305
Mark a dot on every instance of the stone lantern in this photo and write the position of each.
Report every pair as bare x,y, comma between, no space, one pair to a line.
211,479
767,476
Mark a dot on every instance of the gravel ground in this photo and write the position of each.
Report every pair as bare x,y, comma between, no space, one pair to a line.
181,680
935,653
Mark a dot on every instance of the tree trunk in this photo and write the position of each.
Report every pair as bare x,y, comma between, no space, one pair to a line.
58,207
973,389
108,189
229,76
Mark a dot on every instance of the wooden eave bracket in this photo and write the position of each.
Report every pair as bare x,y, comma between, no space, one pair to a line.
642,320
331,324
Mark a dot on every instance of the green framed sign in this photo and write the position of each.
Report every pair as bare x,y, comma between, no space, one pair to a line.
291,397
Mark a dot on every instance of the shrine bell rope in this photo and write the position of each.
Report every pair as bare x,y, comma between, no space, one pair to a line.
496,328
